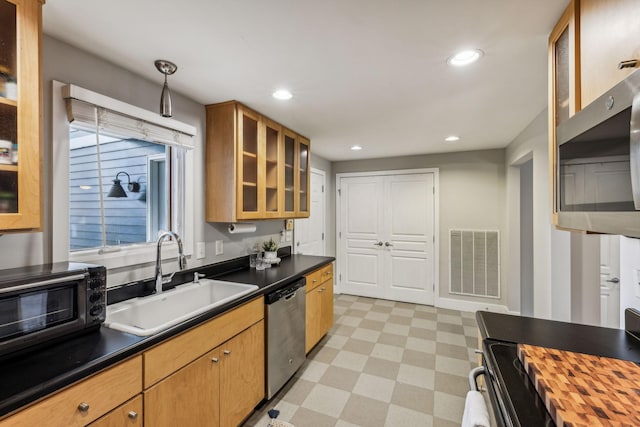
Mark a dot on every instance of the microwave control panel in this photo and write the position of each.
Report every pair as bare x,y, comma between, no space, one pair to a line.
96,295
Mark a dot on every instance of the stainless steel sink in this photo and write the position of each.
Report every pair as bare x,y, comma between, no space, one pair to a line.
150,315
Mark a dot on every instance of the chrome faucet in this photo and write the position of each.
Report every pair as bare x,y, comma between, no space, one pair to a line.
182,260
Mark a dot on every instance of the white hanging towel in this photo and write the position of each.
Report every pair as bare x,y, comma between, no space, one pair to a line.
475,411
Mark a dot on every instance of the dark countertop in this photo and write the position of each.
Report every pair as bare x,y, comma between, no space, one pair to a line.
31,376
276,276
595,340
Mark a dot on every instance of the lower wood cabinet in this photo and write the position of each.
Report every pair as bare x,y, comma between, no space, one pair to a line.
319,305
220,388
189,397
211,375
129,414
86,401
241,375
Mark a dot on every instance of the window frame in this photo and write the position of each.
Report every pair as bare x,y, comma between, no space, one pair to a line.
116,257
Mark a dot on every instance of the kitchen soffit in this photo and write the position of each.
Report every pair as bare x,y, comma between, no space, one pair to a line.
366,72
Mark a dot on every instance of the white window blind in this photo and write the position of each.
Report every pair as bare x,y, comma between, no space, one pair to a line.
123,118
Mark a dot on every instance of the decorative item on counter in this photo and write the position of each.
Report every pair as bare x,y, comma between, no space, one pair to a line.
6,147
270,248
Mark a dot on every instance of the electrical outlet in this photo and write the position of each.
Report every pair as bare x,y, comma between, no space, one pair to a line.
200,250
219,247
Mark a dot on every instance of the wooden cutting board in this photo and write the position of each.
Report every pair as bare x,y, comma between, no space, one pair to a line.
584,390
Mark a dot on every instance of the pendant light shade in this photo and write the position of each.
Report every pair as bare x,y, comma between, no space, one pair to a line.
167,68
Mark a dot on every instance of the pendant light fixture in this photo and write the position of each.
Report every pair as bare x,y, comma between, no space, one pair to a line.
167,68
117,190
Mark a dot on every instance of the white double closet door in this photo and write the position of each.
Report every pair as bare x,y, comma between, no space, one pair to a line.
386,236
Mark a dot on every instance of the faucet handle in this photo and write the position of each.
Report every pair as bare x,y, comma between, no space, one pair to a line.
182,262
197,276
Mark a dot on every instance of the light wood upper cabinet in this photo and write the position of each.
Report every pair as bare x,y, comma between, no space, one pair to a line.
255,168
609,34
20,115
564,83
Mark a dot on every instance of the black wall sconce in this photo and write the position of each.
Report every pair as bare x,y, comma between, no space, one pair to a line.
117,190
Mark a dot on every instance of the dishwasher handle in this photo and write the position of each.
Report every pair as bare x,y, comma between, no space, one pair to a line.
286,293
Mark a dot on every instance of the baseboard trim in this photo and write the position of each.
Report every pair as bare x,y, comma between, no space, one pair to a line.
473,306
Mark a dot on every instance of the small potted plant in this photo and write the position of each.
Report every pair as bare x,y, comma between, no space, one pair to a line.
270,248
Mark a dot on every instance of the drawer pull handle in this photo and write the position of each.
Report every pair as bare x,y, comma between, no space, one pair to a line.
227,352
214,360
321,290
315,280
83,407
132,415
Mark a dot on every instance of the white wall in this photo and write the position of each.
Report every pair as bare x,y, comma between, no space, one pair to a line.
65,63
472,196
551,269
629,275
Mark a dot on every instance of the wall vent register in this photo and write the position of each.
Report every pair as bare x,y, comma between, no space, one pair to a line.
474,263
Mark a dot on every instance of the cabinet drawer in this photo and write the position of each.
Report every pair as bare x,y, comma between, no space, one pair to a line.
319,276
100,394
128,414
166,358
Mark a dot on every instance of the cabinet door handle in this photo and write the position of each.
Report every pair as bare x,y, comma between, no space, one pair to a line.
629,63
132,415
214,360
227,352
315,280
83,407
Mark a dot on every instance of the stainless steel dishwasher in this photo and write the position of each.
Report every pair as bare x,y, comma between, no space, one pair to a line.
285,312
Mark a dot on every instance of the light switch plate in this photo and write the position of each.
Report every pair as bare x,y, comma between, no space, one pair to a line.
200,250
219,247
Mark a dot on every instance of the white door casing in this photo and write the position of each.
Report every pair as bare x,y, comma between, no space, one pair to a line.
309,233
386,236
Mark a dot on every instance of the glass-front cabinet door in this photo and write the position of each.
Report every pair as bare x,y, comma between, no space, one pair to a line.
248,165
289,173
20,121
302,179
272,170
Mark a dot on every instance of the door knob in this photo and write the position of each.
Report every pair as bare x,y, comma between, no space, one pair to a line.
378,244
387,244
614,280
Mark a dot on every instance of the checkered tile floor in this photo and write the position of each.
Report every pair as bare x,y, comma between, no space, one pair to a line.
383,363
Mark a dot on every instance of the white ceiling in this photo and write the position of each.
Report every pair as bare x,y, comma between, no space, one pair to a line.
368,72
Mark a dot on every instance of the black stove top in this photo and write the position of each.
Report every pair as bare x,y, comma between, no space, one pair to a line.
513,395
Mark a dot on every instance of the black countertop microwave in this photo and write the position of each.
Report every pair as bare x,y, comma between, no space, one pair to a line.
598,163
42,303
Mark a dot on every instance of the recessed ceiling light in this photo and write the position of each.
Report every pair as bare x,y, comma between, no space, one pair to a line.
452,138
356,147
464,57
282,94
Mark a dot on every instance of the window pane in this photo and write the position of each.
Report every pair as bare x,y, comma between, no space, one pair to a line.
133,214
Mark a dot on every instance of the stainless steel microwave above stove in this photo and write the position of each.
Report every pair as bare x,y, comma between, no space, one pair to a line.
598,163
47,302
